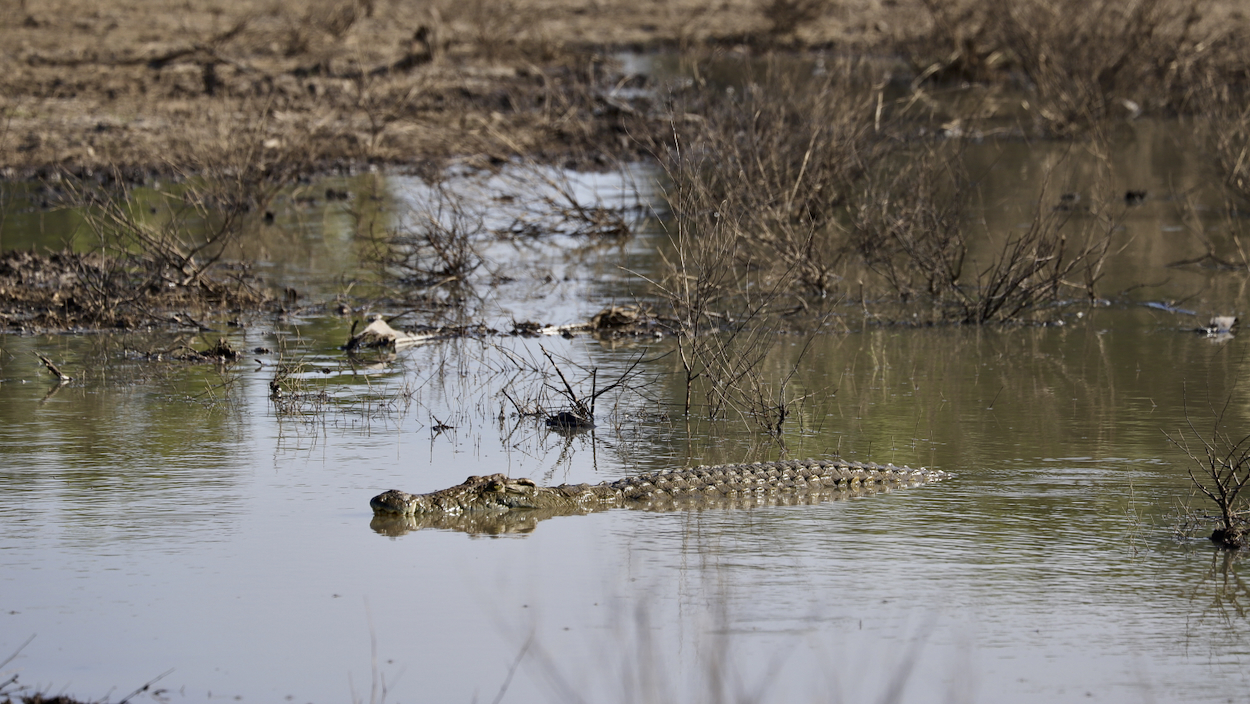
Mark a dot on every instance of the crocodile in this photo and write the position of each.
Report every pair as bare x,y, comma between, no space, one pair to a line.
500,504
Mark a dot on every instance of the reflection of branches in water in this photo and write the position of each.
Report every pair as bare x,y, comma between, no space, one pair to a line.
710,663
305,391
552,201
437,248
1227,593
5,684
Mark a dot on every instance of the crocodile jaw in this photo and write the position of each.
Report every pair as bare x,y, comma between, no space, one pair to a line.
495,492
395,501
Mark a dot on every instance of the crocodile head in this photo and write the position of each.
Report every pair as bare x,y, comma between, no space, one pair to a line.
495,492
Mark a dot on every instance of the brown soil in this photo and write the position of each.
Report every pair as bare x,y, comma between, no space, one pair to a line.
153,85
156,85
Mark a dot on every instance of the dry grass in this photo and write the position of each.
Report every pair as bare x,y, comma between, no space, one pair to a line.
139,86
132,85
1081,63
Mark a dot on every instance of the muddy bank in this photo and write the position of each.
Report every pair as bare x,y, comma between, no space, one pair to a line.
349,84
70,291
156,87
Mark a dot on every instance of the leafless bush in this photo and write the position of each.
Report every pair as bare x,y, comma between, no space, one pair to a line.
1227,131
182,231
153,248
1085,60
911,227
500,30
725,329
960,43
548,201
766,170
739,376
757,185
383,102
792,183
433,245
1220,470
323,23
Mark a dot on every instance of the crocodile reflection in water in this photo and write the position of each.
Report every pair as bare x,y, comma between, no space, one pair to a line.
498,504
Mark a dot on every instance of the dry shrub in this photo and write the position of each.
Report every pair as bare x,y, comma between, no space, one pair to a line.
1228,138
912,228
724,328
758,177
433,245
154,249
782,189
497,30
767,169
1220,470
178,234
907,225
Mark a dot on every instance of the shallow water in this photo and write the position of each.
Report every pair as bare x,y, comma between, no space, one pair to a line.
157,516
143,530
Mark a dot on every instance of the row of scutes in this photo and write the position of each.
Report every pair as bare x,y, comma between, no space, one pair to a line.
764,474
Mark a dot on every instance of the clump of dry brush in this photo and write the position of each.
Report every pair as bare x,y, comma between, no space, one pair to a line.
153,249
912,228
802,196
760,174
797,192
1220,470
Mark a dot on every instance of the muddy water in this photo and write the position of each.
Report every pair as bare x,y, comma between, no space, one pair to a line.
157,517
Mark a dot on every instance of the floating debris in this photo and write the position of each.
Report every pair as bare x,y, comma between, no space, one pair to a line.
613,320
379,335
1068,202
1168,307
1220,325
62,377
221,351
614,317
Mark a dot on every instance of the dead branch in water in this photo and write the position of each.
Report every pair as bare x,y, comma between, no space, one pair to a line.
1222,465
61,376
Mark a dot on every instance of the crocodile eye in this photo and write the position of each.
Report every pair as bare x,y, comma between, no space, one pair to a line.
496,486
